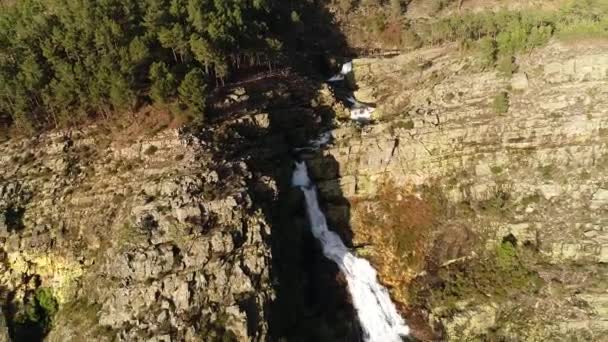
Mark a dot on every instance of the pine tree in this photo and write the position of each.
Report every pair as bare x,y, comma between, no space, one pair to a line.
163,83
192,92
174,39
63,60
138,50
122,96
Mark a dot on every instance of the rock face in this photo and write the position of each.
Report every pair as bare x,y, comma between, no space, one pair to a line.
543,163
139,241
3,328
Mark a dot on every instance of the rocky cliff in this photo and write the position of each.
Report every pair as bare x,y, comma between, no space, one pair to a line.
480,198
142,239
479,169
190,235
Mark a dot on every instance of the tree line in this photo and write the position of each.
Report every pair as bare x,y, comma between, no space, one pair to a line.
65,60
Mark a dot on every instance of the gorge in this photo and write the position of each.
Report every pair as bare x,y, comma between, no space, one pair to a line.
201,171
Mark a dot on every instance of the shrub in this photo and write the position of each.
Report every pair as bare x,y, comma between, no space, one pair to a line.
539,36
499,273
487,51
517,31
506,65
496,170
402,229
410,40
34,318
584,29
150,150
583,18
47,302
391,35
501,103
513,39
295,17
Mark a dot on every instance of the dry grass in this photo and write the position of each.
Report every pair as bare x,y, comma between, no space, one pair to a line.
491,5
391,35
149,121
398,227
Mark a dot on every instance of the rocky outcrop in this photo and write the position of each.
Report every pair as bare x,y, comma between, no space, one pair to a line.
137,240
542,164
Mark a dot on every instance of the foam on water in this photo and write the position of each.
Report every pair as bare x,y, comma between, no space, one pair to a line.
377,314
346,69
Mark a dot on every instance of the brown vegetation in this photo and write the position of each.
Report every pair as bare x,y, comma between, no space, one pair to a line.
398,226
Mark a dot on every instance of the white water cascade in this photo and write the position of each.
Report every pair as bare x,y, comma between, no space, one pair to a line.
377,314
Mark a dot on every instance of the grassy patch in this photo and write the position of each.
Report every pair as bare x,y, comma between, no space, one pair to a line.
498,35
498,274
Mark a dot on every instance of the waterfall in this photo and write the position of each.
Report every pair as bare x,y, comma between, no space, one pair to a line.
377,314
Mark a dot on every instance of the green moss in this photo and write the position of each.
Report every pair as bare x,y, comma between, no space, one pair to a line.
47,302
506,256
34,317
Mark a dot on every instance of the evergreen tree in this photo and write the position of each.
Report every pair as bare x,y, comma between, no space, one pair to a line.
138,50
192,92
63,60
163,83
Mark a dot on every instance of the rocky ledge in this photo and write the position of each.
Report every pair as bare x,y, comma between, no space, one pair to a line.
129,240
515,162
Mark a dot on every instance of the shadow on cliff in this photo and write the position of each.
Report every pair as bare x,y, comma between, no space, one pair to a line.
270,118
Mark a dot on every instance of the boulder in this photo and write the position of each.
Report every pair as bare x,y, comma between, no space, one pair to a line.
519,81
